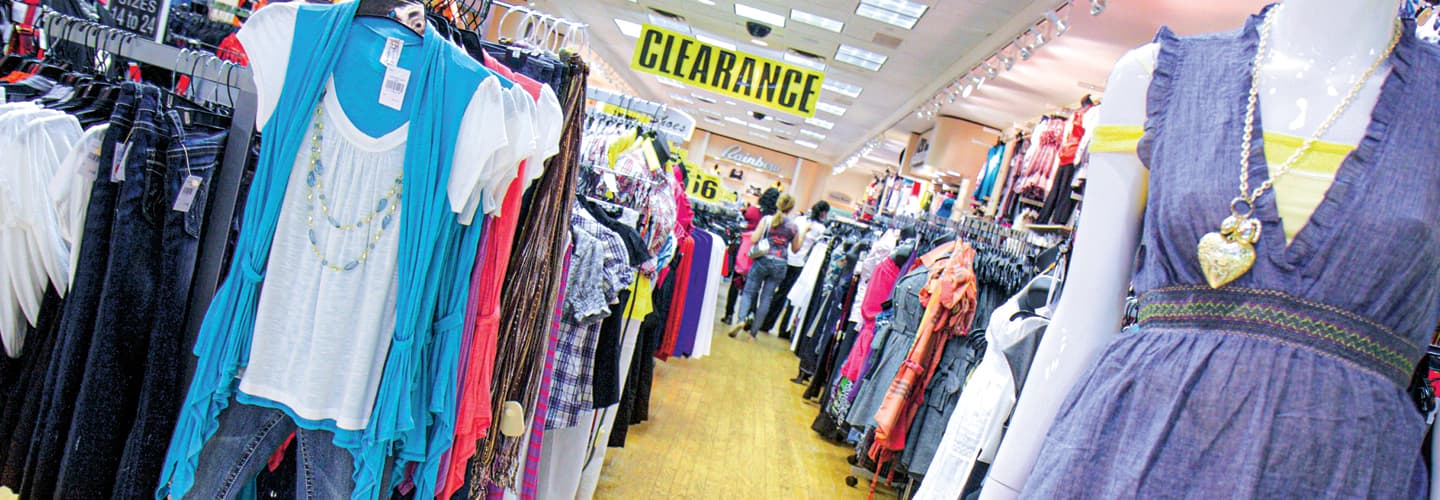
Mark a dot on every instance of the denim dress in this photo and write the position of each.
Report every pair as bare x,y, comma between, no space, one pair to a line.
1289,382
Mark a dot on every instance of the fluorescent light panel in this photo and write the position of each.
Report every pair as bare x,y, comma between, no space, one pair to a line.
812,134
715,41
707,2
820,123
628,28
860,57
901,13
807,62
736,121
816,20
763,16
842,88
760,135
667,81
681,98
830,108
808,144
714,120
761,128
703,99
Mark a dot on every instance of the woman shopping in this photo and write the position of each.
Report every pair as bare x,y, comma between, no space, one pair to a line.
773,240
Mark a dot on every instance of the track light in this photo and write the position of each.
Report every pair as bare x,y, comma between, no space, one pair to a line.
1096,7
969,89
1026,52
991,72
1008,61
1039,39
1060,25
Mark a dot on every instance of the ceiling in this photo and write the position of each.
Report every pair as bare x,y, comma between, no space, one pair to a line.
950,38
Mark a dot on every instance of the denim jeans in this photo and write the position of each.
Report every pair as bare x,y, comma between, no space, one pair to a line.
764,278
248,435
196,152
105,406
67,365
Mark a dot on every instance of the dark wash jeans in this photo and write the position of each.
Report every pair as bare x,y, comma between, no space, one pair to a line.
67,362
196,152
248,435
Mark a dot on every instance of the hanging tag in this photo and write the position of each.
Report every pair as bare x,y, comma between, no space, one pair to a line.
512,419
117,164
91,164
390,57
188,190
392,89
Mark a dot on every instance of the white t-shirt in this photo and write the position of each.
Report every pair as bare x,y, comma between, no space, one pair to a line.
322,336
812,234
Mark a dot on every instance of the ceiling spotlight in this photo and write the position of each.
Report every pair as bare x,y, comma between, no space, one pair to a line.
1008,61
1039,39
990,71
1096,7
979,82
1060,25
969,89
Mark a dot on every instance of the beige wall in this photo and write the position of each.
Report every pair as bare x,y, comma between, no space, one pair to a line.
957,146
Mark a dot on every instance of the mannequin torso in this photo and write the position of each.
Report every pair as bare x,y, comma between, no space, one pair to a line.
1305,76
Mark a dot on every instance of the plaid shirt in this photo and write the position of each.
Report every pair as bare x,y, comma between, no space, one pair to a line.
599,270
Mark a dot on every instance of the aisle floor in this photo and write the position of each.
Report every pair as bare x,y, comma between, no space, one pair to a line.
730,425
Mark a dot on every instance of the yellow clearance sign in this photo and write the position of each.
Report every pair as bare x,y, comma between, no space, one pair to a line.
766,82
706,186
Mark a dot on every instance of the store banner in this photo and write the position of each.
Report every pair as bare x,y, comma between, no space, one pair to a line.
706,186
773,84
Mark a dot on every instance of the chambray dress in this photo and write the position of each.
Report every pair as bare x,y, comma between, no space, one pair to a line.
1290,382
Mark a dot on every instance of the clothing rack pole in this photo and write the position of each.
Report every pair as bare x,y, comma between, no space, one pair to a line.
225,189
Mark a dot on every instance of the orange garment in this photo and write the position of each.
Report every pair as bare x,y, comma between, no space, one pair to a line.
16,76
950,298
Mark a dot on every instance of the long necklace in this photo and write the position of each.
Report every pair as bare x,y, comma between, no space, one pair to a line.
1230,253
385,208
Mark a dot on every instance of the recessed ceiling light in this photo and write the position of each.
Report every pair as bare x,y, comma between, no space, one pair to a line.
820,123
807,62
815,20
707,2
901,13
763,16
760,135
759,42
761,128
842,88
805,143
669,82
812,134
736,121
830,108
628,28
681,98
703,99
732,103
860,57
718,42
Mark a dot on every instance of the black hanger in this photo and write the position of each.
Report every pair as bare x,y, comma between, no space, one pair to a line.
407,13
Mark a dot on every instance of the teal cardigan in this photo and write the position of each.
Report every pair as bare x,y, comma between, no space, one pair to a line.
436,254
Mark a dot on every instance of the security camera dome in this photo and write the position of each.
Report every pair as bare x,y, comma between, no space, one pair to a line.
757,30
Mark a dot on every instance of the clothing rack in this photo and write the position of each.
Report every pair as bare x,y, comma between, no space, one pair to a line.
225,190
677,125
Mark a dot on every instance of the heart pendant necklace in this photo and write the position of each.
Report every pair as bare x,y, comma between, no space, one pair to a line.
1228,254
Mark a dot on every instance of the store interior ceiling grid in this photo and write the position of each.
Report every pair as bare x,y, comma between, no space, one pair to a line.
951,37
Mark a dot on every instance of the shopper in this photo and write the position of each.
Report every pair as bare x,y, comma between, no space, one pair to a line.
812,229
780,232
740,264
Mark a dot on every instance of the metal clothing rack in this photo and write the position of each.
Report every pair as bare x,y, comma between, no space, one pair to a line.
241,98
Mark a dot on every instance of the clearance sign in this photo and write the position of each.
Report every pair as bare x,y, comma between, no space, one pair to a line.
766,82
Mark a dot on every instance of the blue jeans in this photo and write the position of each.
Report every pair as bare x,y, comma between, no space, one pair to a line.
248,435
763,281
196,152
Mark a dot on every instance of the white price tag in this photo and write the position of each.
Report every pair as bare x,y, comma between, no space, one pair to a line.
392,89
188,190
117,165
391,55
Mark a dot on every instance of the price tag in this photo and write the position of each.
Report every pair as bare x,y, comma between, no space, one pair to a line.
90,165
392,89
188,190
117,164
390,57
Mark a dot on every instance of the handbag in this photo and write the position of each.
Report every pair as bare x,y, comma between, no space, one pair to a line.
762,247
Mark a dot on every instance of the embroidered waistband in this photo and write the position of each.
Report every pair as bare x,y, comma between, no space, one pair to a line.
1274,315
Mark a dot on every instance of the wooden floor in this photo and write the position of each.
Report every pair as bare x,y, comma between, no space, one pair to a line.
730,425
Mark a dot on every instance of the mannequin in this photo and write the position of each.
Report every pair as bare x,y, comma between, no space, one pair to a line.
1298,83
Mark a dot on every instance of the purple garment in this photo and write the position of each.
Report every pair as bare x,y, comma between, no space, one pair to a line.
1289,382
694,293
